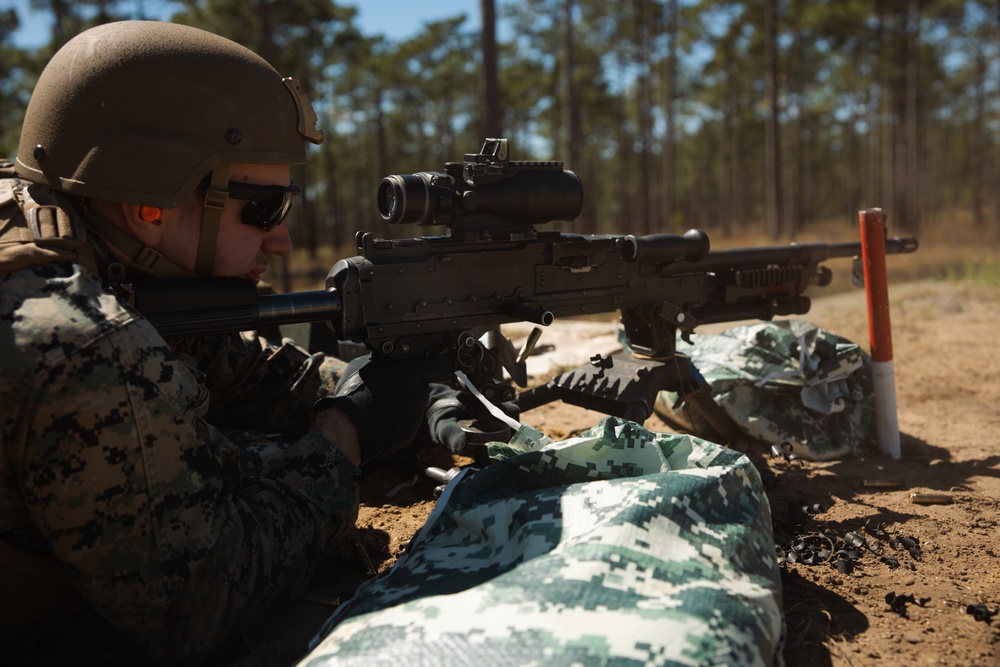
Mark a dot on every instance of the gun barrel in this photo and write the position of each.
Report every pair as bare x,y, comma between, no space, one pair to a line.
795,253
897,245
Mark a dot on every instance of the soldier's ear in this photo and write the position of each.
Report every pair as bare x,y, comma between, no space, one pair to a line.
145,223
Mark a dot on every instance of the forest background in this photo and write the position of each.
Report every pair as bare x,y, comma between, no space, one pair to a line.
779,116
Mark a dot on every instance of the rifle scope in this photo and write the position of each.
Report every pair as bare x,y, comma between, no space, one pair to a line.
487,188
436,198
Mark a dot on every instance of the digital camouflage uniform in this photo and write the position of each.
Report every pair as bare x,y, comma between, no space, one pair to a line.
616,547
115,459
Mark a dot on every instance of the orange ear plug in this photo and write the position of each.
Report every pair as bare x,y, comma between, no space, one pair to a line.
150,213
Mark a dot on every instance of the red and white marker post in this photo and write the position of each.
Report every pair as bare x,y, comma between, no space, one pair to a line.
879,330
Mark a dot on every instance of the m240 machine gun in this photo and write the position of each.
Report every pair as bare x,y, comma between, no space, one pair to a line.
450,294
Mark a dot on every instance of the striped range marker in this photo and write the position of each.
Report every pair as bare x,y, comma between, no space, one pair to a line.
879,330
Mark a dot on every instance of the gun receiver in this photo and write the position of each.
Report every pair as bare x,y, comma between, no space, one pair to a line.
415,297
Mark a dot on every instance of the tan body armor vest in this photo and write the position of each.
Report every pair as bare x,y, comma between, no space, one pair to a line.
38,226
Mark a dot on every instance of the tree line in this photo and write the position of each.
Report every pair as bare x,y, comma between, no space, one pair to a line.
718,114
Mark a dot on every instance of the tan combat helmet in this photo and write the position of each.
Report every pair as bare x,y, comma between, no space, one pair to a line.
139,112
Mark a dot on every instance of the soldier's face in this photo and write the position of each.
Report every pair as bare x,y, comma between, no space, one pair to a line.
242,251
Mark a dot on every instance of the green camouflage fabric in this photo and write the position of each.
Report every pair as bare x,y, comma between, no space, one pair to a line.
617,547
116,462
786,381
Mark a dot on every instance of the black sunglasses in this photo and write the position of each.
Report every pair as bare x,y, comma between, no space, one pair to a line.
267,205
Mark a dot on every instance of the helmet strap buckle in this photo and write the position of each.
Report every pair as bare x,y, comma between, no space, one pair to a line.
215,201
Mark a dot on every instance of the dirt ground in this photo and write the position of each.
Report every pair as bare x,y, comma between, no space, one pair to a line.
947,556
947,358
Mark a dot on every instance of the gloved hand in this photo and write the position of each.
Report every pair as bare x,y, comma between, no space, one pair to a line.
386,399
449,407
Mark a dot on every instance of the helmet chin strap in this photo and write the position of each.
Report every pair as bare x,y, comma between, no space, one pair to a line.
215,201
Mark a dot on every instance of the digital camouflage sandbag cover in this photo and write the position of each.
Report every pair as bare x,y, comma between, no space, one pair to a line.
617,547
783,382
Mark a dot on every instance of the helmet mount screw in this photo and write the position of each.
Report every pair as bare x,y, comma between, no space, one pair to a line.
39,152
234,136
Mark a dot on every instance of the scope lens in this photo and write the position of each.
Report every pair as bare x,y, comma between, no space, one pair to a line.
404,198
389,200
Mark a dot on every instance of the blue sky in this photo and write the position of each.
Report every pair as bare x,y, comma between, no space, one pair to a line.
396,19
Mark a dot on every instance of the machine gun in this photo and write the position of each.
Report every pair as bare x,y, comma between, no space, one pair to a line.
416,297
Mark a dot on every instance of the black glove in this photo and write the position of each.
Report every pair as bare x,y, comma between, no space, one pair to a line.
449,408
386,399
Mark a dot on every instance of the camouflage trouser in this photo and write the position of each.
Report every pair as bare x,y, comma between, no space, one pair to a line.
620,546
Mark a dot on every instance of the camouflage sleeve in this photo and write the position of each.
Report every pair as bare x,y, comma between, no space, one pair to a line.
259,384
145,504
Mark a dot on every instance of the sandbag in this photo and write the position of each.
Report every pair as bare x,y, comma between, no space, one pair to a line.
788,383
620,546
